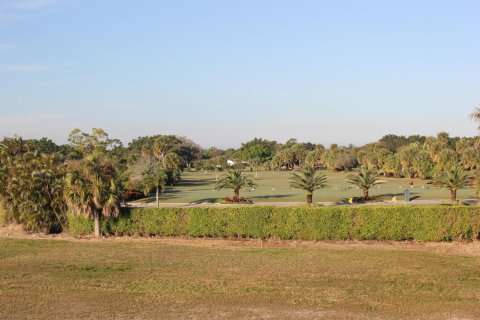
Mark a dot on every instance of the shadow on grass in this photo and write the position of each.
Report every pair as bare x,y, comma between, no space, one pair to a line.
377,198
357,200
389,196
168,194
195,182
276,196
205,200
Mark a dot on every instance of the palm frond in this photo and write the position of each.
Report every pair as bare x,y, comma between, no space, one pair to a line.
308,180
364,178
455,178
235,180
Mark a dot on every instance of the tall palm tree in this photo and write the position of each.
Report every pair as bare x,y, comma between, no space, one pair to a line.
475,115
155,177
307,179
92,188
453,179
235,180
365,179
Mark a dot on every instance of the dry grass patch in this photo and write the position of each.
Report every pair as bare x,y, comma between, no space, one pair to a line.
197,280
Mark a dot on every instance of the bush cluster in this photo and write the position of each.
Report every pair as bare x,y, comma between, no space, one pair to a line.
421,223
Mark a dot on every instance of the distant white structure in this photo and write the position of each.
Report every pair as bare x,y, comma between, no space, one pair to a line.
230,163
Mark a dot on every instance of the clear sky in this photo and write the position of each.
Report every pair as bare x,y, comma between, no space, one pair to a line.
222,72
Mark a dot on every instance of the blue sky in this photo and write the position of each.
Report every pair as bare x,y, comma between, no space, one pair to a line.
222,72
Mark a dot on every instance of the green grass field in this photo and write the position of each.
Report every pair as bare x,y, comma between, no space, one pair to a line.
209,279
274,187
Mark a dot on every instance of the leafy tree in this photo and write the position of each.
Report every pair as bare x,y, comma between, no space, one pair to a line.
311,159
441,144
160,146
189,151
464,143
330,156
136,174
293,154
423,164
171,164
393,142
314,157
373,156
165,151
256,163
286,158
44,145
443,139
453,179
470,158
392,166
300,150
345,160
155,162
339,158
258,149
88,143
446,159
235,180
93,188
365,179
212,153
406,157
31,186
164,145
416,139
434,148
307,179
415,160
290,143
276,162
70,152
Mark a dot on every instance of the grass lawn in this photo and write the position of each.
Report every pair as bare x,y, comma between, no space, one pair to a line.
143,278
274,187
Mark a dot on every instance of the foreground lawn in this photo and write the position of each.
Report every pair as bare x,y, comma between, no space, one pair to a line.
275,187
154,279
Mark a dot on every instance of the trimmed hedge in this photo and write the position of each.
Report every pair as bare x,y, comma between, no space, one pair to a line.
421,223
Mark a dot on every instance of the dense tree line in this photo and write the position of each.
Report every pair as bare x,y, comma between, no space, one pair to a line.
397,156
40,182
92,174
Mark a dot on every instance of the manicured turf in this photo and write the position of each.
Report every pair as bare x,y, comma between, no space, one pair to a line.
51,279
274,187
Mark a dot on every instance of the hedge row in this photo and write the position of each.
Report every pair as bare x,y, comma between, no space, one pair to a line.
422,223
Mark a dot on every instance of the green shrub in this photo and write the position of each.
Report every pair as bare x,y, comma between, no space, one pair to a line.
79,225
398,223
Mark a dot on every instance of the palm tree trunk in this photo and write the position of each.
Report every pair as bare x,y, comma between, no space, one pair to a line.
309,198
236,193
453,195
157,198
96,223
365,193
